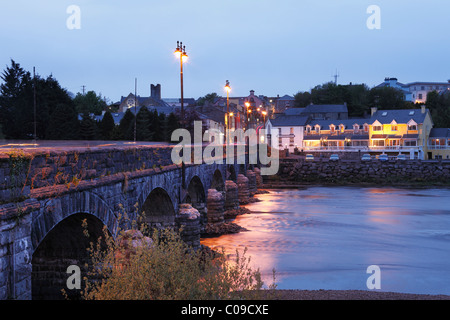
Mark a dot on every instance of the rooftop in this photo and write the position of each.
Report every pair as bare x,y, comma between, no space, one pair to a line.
288,121
400,116
326,108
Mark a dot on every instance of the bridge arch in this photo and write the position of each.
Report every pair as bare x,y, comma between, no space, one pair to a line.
217,181
64,245
158,208
195,192
56,210
232,173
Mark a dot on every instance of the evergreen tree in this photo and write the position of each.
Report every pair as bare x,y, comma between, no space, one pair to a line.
88,128
143,118
63,124
12,101
163,122
126,126
173,123
17,104
156,127
107,125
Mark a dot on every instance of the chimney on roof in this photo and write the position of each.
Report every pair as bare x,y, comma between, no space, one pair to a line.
155,91
373,110
423,108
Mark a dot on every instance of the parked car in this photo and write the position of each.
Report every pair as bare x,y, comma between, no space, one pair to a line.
401,157
309,157
334,157
383,157
365,157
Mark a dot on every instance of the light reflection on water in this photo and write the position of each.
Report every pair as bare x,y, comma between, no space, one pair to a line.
325,238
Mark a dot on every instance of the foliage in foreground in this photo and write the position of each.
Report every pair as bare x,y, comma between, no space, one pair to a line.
164,267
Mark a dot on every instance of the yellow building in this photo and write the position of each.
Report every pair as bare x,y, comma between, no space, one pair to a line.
400,131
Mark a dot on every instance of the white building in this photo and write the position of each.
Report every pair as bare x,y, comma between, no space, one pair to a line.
286,132
416,92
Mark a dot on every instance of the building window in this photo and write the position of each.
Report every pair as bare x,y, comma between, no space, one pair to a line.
378,143
420,96
342,128
410,143
292,131
317,129
394,127
332,128
377,128
366,128
412,127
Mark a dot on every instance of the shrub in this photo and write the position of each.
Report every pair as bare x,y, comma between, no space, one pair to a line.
163,267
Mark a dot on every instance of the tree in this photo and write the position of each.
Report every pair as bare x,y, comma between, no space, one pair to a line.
107,125
143,122
328,93
126,126
17,103
210,97
12,106
63,124
88,128
173,123
156,127
90,103
439,105
302,99
386,98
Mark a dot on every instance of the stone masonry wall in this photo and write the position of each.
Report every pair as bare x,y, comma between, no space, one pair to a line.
374,171
22,172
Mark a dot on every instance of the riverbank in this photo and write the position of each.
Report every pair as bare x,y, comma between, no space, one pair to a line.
349,295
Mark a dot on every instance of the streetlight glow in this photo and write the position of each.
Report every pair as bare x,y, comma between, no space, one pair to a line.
180,53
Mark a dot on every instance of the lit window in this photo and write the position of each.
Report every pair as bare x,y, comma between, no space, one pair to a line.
377,128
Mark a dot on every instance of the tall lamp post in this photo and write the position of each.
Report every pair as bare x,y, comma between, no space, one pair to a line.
180,53
247,105
227,118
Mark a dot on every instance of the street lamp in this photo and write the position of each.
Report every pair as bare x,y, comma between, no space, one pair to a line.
180,53
264,116
227,120
247,105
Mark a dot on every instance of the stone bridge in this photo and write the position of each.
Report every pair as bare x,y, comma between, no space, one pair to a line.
45,196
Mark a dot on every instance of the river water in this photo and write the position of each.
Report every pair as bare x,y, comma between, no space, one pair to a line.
327,237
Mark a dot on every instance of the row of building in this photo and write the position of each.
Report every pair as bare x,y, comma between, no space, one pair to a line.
317,127
325,128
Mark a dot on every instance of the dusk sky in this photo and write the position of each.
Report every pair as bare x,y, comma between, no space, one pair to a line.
272,47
